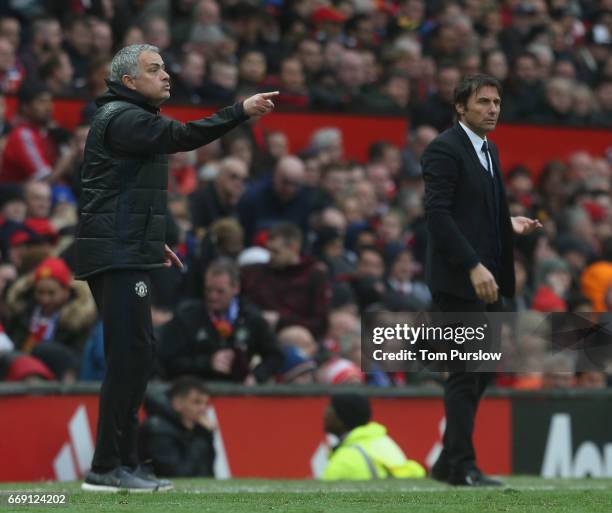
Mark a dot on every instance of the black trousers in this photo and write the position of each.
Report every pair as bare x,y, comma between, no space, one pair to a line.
123,298
462,393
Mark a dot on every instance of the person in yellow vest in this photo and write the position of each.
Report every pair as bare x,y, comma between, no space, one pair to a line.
365,450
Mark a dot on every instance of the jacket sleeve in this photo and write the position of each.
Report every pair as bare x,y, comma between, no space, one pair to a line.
137,131
441,174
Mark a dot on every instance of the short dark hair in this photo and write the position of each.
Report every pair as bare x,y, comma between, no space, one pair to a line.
471,84
286,231
185,384
224,265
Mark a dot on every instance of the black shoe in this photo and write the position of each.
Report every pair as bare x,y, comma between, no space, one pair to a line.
440,470
145,471
116,480
473,478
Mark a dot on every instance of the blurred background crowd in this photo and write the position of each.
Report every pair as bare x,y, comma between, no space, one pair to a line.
284,252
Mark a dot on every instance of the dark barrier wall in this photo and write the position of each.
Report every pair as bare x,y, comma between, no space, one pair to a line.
532,146
562,437
276,432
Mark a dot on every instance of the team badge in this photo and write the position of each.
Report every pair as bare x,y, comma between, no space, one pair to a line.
141,289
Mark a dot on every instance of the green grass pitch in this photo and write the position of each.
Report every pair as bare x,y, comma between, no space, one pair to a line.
520,494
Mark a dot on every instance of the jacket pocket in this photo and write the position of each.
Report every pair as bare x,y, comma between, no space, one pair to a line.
146,229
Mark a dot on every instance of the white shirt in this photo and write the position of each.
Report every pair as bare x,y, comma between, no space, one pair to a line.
477,141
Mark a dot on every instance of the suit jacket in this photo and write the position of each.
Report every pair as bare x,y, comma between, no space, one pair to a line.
462,222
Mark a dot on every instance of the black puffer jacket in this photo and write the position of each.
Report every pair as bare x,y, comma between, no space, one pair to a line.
125,178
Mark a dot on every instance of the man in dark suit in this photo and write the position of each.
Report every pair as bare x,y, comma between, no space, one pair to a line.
469,263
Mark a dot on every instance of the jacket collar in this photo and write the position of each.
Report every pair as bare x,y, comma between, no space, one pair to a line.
118,92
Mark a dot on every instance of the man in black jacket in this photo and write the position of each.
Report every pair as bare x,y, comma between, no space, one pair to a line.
216,338
177,437
121,238
469,263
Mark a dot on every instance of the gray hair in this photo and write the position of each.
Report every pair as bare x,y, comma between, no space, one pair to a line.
125,61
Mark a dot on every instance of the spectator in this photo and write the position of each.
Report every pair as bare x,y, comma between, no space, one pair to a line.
403,292
252,69
156,32
46,39
57,75
176,439
49,306
78,46
101,39
346,93
496,65
603,93
364,451
308,51
411,156
206,29
10,28
367,283
558,372
525,89
15,366
217,337
38,199
290,289
30,152
557,107
98,71
220,87
62,361
597,278
337,370
187,88
584,106
438,110
292,87
223,238
395,94
299,338
327,143
220,197
12,73
281,198
553,280
13,206
297,368
182,177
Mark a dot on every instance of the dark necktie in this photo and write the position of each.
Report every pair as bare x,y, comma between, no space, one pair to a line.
485,149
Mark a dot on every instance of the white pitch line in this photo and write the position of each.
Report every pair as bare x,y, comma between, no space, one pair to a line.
411,489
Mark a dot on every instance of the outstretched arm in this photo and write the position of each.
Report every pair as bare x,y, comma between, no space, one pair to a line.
137,131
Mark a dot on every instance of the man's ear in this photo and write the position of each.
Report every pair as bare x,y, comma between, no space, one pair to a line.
128,81
460,108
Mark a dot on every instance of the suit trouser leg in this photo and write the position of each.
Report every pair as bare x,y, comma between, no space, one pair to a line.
462,393
129,354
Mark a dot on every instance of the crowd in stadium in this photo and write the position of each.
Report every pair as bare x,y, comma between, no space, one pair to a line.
295,248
